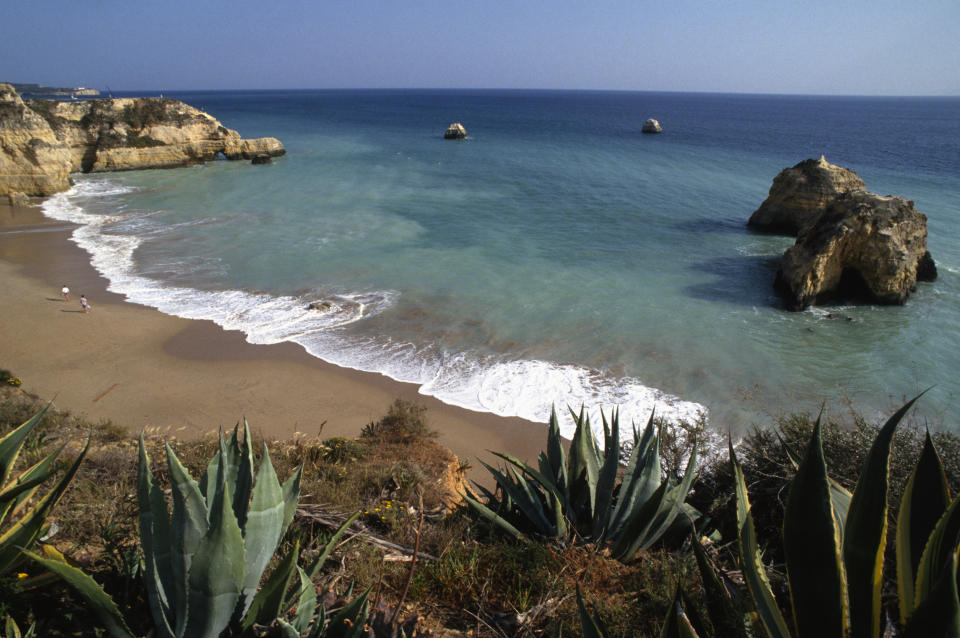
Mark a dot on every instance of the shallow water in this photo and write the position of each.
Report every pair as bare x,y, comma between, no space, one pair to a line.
557,256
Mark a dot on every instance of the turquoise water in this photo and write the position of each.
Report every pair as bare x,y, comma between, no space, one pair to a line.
555,256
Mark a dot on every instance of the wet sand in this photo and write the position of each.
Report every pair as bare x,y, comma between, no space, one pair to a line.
142,369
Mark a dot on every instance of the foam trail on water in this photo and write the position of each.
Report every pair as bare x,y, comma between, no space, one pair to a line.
529,389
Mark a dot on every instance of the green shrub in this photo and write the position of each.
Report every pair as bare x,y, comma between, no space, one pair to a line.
404,421
583,495
340,450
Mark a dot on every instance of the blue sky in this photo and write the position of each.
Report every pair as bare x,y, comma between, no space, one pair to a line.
871,47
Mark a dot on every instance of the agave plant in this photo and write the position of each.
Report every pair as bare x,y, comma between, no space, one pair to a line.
583,494
22,520
205,558
834,544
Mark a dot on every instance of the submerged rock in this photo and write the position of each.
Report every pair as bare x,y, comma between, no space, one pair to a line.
862,246
455,132
321,306
651,126
800,193
45,140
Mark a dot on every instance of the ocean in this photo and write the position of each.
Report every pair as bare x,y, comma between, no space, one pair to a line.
556,257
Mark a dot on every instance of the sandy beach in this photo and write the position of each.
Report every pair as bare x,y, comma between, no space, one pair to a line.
140,368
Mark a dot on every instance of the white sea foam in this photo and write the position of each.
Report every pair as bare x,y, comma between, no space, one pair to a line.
525,388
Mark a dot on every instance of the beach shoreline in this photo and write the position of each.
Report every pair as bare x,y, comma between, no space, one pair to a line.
142,369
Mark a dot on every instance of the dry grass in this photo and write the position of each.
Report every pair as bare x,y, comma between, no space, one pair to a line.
478,584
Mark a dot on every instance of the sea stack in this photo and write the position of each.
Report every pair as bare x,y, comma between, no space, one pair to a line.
800,193
455,132
861,246
651,126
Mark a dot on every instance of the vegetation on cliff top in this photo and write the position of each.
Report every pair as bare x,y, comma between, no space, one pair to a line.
467,577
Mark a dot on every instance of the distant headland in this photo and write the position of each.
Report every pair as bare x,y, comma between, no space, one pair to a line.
39,89
44,141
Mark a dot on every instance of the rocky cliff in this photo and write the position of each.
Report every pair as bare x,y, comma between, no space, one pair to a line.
800,193
862,245
43,141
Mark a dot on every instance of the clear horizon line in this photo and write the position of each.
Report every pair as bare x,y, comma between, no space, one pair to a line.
571,90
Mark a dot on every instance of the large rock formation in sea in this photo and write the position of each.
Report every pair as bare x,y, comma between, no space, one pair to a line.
860,245
800,193
43,141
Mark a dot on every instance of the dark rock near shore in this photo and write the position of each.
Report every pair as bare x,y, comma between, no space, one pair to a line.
651,126
800,193
455,132
861,246
261,158
321,306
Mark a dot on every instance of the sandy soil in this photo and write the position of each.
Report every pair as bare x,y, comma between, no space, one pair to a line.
140,368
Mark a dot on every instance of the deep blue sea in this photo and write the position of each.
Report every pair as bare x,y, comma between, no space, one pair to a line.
556,256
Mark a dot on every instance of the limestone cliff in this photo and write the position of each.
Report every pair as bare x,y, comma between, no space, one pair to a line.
802,192
43,141
862,245
32,160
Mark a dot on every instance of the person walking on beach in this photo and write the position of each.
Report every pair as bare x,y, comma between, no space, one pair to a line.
65,292
84,304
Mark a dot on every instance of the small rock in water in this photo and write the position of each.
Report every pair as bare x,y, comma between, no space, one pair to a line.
651,126
261,158
455,132
322,306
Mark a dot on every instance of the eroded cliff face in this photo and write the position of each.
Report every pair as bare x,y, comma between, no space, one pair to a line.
800,193
43,141
32,160
863,245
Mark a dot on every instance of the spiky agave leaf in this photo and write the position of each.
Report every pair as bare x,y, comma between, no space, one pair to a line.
349,621
583,470
651,519
12,443
269,601
264,526
305,602
525,498
641,479
941,548
98,600
865,534
720,606
925,499
329,547
492,517
156,542
754,573
590,624
21,489
811,542
677,624
607,478
840,496
27,528
938,612
188,527
217,570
